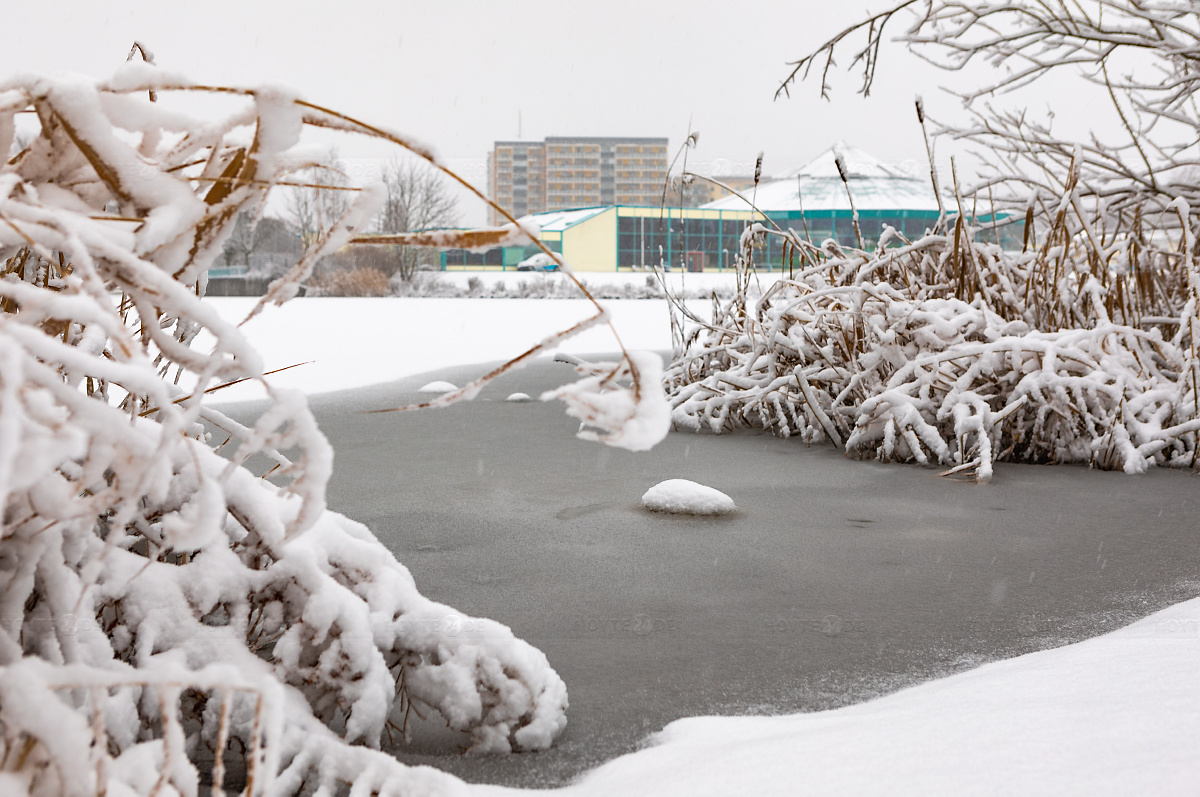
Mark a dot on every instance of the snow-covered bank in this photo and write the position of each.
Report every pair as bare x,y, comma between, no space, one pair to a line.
1112,715
347,343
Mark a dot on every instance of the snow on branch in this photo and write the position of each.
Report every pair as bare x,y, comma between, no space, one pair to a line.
1144,56
472,240
165,615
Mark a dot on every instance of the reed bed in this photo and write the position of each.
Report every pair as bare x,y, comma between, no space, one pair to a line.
950,351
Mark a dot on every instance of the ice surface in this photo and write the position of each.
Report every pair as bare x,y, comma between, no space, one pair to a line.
680,496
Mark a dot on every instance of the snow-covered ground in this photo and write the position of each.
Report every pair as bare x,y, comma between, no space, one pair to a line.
345,343
1114,715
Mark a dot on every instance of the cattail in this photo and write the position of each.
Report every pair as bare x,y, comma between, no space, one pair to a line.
758,169
920,109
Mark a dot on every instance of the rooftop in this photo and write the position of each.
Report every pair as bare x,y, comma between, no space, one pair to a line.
817,186
559,220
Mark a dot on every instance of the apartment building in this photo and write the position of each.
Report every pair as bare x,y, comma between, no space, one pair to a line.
570,172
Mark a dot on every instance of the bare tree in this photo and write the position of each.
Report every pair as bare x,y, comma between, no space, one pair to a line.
320,197
275,242
417,199
1145,56
243,240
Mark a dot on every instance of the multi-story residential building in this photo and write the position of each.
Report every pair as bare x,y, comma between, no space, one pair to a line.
517,173
570,172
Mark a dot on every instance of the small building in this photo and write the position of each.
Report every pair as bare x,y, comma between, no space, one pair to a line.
624,238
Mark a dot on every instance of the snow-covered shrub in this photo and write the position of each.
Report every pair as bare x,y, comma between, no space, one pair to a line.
160,606
951,351
424,285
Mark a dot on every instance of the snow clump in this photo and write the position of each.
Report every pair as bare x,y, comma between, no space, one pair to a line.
633,416
519,397
438,387
683,497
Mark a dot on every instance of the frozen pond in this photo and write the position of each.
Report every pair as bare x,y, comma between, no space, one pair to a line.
834,582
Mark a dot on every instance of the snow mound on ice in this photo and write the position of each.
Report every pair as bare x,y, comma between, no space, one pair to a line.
685,497
438,387
519,397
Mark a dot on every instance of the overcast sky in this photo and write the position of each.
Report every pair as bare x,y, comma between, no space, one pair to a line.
460,75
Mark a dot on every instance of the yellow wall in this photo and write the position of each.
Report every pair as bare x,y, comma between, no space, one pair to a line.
592,245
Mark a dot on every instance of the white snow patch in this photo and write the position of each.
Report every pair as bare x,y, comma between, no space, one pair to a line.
470,331
438,387
684,497
519,397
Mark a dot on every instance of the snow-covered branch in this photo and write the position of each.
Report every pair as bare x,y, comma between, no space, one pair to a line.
166,616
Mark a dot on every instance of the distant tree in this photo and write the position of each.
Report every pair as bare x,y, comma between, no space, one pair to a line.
274,234
417,199
243,241
320,198
275,240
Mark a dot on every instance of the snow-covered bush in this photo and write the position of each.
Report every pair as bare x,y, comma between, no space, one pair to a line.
166,616
952,351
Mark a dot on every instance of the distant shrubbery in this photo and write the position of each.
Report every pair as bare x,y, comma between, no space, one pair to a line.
537,286
352,282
